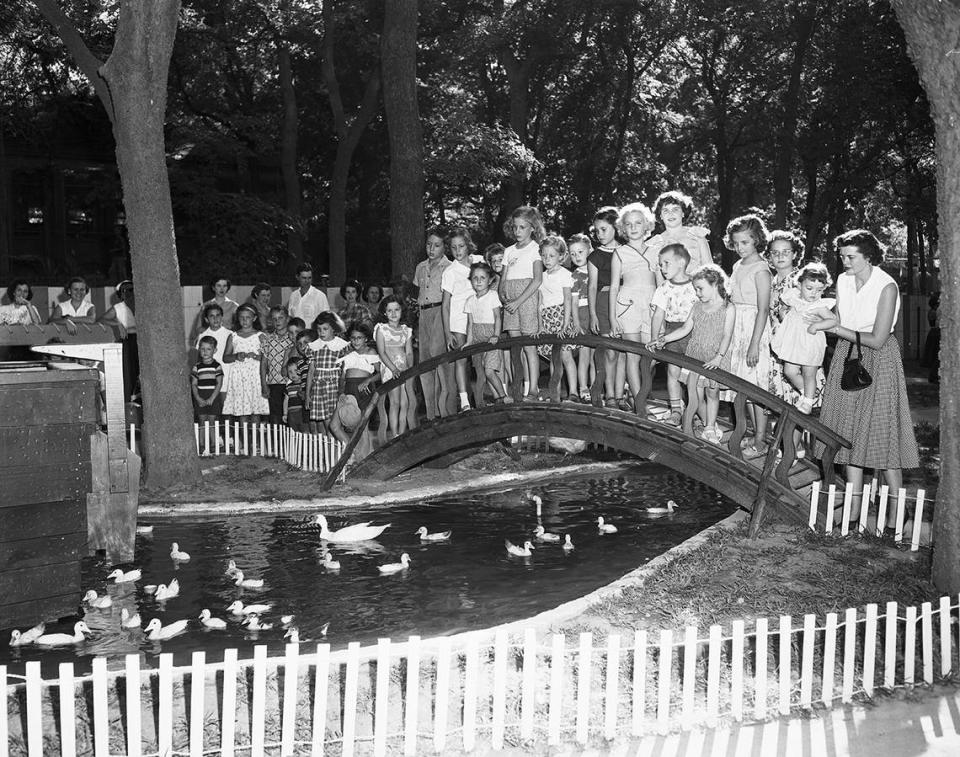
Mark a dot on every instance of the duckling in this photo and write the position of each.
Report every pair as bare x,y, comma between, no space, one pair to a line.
329,563
150,589
437,536
64,639
208,621
324,628
395,567
165,592
252,622
129,621
525,551
286,620
293,633
155,631
231,568
101,603
247,583
542,535
177,554
145,530
121,577
605,528
668,510
567,543
239,608
535,499
29,636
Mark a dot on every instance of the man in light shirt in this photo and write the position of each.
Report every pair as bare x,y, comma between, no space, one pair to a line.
307,302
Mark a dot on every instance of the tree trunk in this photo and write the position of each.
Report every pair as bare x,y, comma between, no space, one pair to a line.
911,252
803,24
288,153
132,85
932,29
518,81
398,65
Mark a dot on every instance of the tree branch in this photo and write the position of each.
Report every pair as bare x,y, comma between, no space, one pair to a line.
330,72
88,63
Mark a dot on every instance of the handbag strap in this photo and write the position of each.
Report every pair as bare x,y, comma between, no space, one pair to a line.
859,348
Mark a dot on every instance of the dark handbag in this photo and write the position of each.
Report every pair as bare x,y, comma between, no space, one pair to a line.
855,376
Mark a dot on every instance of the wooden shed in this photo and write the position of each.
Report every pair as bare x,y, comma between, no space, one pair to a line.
47,419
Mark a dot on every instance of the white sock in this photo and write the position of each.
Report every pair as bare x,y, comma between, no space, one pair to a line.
464,400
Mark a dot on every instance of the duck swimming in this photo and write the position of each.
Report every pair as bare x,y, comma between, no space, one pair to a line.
525,551
29,636
239,608
64,639
541,535
247,583
395,567
165,591
668,510
155,631
177,554
129,621
101,603
329,563
437,536
231,568
208,621
567,544
356,532
252,622
605,528
121,577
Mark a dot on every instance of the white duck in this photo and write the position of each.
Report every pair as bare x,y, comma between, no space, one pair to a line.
605,528
437,536
239,608
293,633
357,532
329,563
568,544
129,621
145,530
165,591
208,621
64,639
231,568
395,567
101,603
177,554
537,500
155,631
542,535
512,549
29,636
247,583
252,622
668,510
121,577
286,620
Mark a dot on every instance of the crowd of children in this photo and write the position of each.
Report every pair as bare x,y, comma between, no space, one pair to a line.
635,274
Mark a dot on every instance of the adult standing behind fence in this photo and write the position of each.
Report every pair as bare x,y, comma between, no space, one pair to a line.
307,302
875,419
123,316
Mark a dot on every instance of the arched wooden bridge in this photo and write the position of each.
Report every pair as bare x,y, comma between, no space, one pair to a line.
779,480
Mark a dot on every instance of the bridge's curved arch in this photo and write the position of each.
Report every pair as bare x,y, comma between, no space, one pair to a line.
707,463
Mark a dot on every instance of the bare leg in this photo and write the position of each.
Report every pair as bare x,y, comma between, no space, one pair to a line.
533,369
428,382
411,392
570,368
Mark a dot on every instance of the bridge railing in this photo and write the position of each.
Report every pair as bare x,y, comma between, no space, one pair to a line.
790,419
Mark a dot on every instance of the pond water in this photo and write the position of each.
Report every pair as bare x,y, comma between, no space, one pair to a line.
468,582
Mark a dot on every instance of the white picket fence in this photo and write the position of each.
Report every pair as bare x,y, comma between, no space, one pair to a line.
908,514
309,452
459,693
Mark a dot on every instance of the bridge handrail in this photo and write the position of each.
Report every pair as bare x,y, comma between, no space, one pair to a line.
745,390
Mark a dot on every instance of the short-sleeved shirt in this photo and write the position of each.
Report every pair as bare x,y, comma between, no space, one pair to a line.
456,282
307,306
520,261
552,286
275,350
206,375
359,362
602,260
67,310
294,397
581,282
675,300
483,309
427,277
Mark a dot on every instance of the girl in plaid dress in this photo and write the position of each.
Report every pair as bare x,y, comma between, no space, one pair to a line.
323,376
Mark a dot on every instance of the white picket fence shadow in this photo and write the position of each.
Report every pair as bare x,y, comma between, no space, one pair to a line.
310,452
472,690
826,507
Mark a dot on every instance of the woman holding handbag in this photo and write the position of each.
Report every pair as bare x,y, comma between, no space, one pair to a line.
865,399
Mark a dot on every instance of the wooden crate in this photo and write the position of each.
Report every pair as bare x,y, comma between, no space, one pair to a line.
46,420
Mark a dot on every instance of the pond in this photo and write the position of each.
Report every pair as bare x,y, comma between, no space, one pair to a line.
467,582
